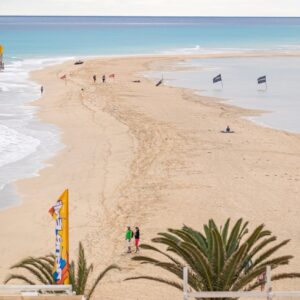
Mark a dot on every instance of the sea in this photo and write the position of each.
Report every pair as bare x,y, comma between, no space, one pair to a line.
30,43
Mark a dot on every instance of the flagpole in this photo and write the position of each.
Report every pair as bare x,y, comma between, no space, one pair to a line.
67,235
60,213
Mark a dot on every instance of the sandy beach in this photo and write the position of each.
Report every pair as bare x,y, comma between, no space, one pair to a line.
136,154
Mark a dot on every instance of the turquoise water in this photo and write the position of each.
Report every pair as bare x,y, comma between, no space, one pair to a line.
35,42
73,36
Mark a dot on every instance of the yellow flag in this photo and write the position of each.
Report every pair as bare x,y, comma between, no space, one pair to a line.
1,49
60,213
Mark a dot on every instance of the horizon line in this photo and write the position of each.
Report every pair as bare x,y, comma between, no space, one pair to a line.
141,16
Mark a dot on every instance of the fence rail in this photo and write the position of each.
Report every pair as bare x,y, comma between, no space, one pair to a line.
20,289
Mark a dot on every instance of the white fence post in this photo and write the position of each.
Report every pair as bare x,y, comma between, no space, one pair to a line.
269,282
185,283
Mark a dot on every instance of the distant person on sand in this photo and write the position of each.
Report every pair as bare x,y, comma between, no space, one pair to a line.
128,237
95,78
137,239
227,130
42,89
103,78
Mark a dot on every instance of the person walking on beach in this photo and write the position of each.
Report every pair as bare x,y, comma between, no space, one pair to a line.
128,237
103,78
95,78
137,239
42,89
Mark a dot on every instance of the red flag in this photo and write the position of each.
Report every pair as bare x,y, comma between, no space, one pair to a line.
51,211
63,77
111,76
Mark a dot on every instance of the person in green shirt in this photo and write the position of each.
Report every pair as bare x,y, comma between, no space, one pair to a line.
128,237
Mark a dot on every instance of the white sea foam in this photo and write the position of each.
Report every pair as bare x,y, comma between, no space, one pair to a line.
15,146
25,142
198,49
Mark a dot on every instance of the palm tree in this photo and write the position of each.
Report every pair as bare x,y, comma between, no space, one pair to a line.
219,259
41,269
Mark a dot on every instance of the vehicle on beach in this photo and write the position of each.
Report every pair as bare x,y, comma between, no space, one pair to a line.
78,62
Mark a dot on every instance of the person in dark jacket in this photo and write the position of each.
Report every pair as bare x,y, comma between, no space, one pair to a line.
137,239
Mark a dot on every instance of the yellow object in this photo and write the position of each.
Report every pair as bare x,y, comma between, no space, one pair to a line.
1,49
60,213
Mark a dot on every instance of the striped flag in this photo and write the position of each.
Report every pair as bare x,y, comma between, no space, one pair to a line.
262,79
217,78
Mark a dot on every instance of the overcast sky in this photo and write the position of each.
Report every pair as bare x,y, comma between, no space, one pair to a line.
152,7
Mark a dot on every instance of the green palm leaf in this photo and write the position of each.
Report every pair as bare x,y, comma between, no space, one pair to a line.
225,231
219,259
98,279
36,268
269,252
198,237
41,268
18,277
149,247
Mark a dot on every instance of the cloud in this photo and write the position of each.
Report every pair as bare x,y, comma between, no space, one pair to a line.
152,7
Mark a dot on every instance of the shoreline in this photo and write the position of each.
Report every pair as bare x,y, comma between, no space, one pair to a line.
23,121
132,155
279,101
59,60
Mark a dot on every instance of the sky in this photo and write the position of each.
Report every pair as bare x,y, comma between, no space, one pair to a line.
152,7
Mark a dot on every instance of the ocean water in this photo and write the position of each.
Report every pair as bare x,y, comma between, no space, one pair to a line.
34,42
279,97
25,142
69,36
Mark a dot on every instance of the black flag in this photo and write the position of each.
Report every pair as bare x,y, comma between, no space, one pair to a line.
217,78
262,79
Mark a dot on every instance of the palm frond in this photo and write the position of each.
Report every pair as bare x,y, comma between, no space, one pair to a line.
233,241
33,270
225,231
99,278
18,277
285,276
269,252
220,258
149,247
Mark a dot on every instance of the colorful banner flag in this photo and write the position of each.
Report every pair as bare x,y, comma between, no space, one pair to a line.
60,213
1,58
